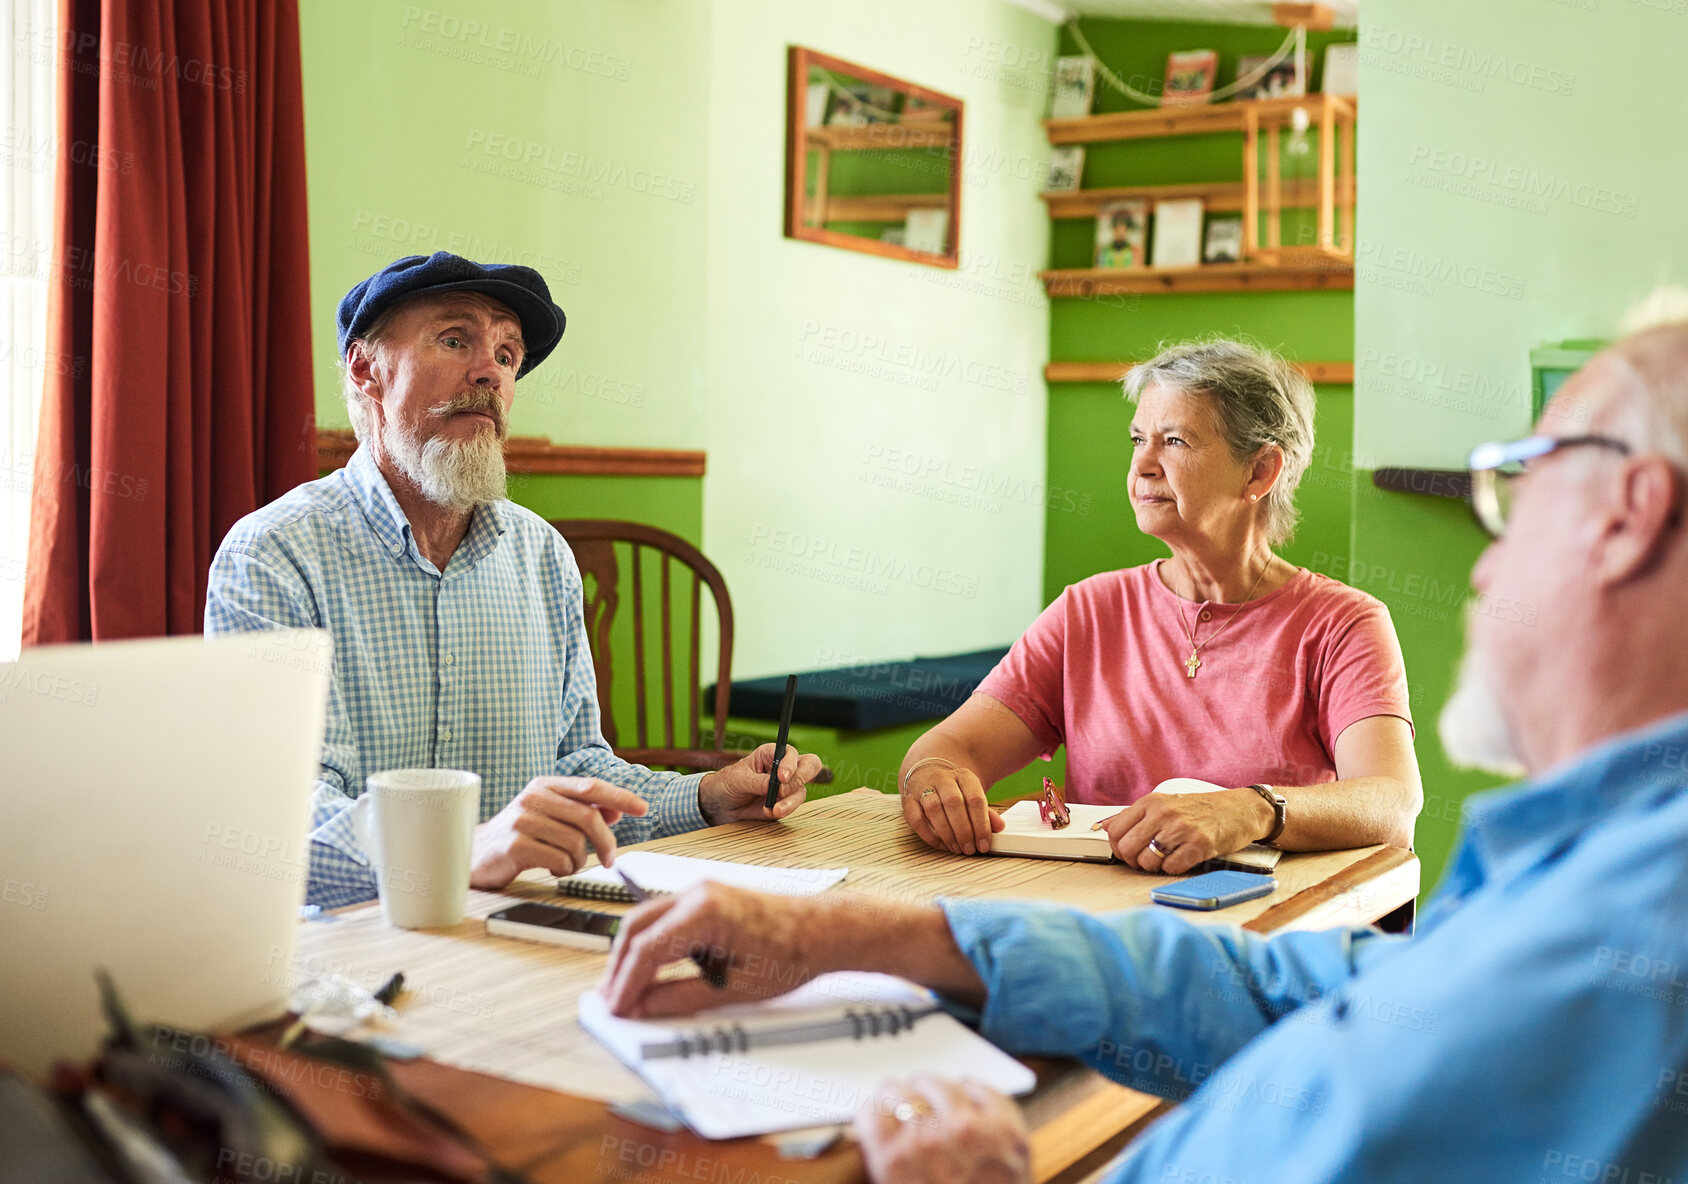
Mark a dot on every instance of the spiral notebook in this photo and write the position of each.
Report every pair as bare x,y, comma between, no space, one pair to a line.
664,875
812,1057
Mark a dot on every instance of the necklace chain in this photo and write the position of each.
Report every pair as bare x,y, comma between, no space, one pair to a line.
1194,661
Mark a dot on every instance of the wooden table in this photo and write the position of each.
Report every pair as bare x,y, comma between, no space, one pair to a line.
509,1062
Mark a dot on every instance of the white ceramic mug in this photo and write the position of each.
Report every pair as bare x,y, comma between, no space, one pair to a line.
417,826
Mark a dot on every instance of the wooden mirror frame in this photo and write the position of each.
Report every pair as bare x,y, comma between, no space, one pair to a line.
796,160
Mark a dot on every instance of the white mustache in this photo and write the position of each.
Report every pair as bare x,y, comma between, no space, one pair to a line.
473,401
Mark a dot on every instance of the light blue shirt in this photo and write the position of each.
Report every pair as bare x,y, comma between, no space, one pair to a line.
1534,1030
484,666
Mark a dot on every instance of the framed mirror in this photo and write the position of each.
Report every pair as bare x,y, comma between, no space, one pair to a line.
873,163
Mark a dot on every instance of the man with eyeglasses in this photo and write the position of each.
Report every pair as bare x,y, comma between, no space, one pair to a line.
1536,1026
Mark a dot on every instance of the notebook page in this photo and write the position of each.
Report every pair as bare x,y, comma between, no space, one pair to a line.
788,1087
656,872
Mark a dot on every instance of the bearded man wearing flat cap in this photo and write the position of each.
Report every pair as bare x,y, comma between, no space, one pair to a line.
457,616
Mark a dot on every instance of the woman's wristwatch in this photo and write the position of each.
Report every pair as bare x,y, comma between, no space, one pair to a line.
1279,813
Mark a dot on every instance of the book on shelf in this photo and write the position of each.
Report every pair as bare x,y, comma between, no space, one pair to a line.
1342,69
1066,166
1178,232
1277,83
927,230
1189,77
1120,233
1075,87
814,1056
1224,241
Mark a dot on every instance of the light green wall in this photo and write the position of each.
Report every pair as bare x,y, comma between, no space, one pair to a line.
825,366
1521,182
567,136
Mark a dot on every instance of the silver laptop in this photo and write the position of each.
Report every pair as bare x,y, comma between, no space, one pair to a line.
154,806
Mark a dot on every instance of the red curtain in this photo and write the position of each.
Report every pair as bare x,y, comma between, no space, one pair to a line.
181,292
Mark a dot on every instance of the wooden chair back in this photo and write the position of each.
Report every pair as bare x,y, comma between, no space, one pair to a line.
599,545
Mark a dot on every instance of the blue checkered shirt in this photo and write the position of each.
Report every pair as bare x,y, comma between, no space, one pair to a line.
484,666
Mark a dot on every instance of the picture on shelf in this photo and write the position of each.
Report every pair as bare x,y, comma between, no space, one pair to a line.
1224,241
1178,233
1277,83
1342,69
1075,87
1189,77
1066,166
1120,232
815,96
858,106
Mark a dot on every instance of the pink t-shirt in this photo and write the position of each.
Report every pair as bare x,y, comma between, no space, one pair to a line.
1102,671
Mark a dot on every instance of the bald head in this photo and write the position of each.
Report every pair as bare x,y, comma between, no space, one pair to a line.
1657,392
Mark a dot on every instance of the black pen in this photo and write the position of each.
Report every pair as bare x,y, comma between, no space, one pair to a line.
713,969
779,744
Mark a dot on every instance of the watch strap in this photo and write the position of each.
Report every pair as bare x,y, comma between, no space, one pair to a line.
1280,813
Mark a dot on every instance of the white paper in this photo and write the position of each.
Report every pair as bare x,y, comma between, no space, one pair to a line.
656,872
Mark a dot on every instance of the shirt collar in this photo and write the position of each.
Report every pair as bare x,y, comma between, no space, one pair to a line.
387,519
376,497
1509,829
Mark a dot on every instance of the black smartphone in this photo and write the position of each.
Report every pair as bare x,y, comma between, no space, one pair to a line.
555,925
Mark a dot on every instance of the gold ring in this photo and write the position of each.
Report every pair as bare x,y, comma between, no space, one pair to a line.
1154,845
906,1111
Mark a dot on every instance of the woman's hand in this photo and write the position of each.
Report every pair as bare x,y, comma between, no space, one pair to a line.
1187,828
946,807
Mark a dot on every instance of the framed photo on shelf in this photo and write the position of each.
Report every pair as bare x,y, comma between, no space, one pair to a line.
1224,241
1075,87
1277,83
1066,166
1121,228
1178,232
1189,77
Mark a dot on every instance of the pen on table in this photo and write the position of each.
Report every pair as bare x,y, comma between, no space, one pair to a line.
713,969
779,744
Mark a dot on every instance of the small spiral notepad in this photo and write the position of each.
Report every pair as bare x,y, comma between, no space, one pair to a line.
815,1056
664,875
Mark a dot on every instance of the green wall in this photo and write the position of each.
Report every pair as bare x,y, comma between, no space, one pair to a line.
1088,449
1515,191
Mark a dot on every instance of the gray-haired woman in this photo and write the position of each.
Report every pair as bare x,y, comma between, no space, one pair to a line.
1223,662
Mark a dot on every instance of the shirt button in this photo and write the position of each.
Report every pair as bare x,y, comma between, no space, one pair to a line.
450,658
1206,615
445,736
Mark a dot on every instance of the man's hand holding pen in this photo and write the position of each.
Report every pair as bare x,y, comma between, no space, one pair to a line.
738,793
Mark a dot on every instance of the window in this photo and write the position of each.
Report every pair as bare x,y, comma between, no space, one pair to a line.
28,152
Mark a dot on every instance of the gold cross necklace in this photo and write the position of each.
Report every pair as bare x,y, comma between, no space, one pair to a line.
1194,661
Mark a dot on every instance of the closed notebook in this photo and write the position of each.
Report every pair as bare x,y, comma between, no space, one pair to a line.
812,1057
664,875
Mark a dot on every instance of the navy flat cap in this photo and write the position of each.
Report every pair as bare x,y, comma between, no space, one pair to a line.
521,289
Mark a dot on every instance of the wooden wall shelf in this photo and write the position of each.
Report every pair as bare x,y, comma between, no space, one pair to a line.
1448,483
884,137
1325,274
531,455
1325,373
884,207
1222,197
1195,120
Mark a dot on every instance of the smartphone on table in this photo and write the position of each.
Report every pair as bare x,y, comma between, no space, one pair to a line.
1215,890
555,925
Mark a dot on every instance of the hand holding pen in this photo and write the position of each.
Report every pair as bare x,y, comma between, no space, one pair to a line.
770,782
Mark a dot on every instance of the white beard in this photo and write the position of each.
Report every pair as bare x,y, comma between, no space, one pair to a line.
1473,728
456,476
